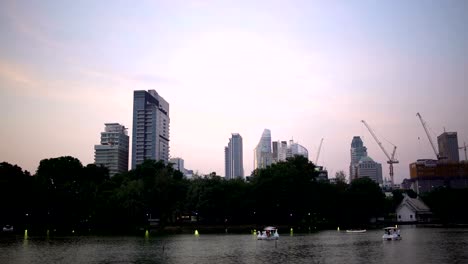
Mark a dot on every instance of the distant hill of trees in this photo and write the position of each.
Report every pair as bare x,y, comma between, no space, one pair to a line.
64,195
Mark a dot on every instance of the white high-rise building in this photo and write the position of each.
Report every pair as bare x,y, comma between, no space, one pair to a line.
150,139
112,153
282,151
178,164
262,153
294,149
233,158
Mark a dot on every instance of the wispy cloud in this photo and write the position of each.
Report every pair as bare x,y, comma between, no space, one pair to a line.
16,74
28,23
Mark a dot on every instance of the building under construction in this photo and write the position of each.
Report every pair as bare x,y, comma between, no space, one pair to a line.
447,171
427,174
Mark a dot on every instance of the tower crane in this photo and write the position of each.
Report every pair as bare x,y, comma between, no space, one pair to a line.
318,152
464,148
391,159
428,135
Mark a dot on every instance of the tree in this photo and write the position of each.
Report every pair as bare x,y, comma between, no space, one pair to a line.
282,190
16,188
58,180
340,176
364,200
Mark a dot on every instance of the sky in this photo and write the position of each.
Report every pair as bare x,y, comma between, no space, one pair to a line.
306,70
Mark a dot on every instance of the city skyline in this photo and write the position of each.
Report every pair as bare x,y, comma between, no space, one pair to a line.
305,70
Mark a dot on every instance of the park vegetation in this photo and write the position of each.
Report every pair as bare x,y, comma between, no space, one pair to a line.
64,195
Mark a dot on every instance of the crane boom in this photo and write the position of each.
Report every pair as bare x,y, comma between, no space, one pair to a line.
464,148
391,160
378,142
318,152
428,135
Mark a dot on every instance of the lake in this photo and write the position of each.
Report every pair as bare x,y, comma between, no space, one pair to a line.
419,245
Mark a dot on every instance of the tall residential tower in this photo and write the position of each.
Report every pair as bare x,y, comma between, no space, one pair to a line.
150,138
263,156
112,153
233,158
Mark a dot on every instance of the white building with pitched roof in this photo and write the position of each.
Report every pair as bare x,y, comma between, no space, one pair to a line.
413,210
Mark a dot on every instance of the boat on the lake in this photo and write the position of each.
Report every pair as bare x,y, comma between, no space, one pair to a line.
391,233
8,228
356,231
268,233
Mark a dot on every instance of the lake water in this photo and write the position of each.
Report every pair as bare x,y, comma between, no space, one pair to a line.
419,245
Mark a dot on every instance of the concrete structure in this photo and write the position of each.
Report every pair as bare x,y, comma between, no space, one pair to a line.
322,173
233,158
427,174
178,164
150,138
112,153
262,153
358,150
448,146
413,210
367,167
294,149
280,149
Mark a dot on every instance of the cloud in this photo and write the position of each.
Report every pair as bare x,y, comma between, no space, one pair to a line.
15,74
28,23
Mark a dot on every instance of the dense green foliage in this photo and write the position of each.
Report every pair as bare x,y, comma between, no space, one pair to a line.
65,195
448,205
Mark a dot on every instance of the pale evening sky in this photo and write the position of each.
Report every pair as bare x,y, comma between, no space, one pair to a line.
303,69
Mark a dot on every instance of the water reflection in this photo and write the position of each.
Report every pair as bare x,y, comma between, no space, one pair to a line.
419,245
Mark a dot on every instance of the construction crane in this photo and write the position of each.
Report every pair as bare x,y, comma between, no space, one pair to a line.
428,136
391,159
464,148
318,152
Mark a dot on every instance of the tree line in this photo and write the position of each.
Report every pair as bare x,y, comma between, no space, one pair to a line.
64,195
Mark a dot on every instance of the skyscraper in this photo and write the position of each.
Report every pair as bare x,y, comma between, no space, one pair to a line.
112,153
448,146
358,150
262,153
233,158
150,139
280,151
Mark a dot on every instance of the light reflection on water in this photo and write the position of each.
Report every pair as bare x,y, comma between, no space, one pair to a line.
419,245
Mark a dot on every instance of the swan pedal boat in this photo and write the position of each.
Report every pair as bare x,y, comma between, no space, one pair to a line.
268,233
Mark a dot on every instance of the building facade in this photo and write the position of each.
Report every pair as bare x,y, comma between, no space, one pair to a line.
413,210
234,158
294,149
448,146
280,151
358,150
112,153
150,139
178,164
428,174
367,167
263,155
